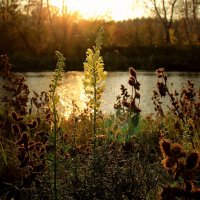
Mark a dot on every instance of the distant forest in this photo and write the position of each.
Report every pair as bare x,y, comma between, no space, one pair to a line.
31,31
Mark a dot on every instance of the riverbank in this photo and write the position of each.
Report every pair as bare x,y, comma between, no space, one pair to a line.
172,58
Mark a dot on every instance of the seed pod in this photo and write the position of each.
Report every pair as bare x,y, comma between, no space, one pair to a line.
48,115
32,124
132,72
42,156
126,104
176,150
35,155
188,186
31,142
192,160
31,147
14,115
21,149
137,85
137,95
15,129
23,127
168,162
42,150
25,137
165,147
21,155
132,81
25,162
188,175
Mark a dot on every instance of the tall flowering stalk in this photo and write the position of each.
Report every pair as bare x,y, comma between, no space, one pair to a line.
94,77
55,83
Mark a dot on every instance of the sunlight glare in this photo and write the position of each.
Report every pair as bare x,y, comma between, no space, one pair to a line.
72,89
107,9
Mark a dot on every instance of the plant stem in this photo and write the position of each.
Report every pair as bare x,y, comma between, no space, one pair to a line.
95,111
55,146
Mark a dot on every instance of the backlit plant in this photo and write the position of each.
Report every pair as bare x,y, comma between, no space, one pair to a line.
180,164
55,83
183,108
94,77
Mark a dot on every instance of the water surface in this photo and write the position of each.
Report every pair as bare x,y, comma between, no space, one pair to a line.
72,87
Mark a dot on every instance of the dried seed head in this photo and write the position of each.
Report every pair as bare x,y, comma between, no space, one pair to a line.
15,129
188,175
25,162
132,81
168,162
32,124
25,137
137,95
31,147
176,150
14,115
132,72
165,146
21,155
31,142
188,186
48,115
169,193
181,166
192,161
126,104
137,85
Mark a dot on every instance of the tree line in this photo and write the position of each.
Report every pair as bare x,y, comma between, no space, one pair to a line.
32,30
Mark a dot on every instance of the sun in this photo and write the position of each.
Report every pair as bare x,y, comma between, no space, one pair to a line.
107,9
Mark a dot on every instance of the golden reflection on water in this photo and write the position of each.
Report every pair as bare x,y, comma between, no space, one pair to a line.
72,89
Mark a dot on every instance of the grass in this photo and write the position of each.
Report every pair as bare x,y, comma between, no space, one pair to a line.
94,156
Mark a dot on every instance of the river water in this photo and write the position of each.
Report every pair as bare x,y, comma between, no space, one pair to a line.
72,87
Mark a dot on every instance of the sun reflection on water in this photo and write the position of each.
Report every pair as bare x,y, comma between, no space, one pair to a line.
72,89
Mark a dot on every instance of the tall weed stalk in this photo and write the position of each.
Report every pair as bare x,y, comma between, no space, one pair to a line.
94,79
55,83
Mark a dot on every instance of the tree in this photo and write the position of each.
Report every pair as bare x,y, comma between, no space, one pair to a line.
164,9
189,12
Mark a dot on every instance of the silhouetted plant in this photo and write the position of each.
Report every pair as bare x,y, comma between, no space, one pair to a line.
128,104
180,164
184,108
16,90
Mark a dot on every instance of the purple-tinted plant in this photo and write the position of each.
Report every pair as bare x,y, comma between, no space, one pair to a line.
184,108
128,104
183,165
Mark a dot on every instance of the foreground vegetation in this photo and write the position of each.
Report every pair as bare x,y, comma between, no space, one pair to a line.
96,156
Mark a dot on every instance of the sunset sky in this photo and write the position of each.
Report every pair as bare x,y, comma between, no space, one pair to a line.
110,9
